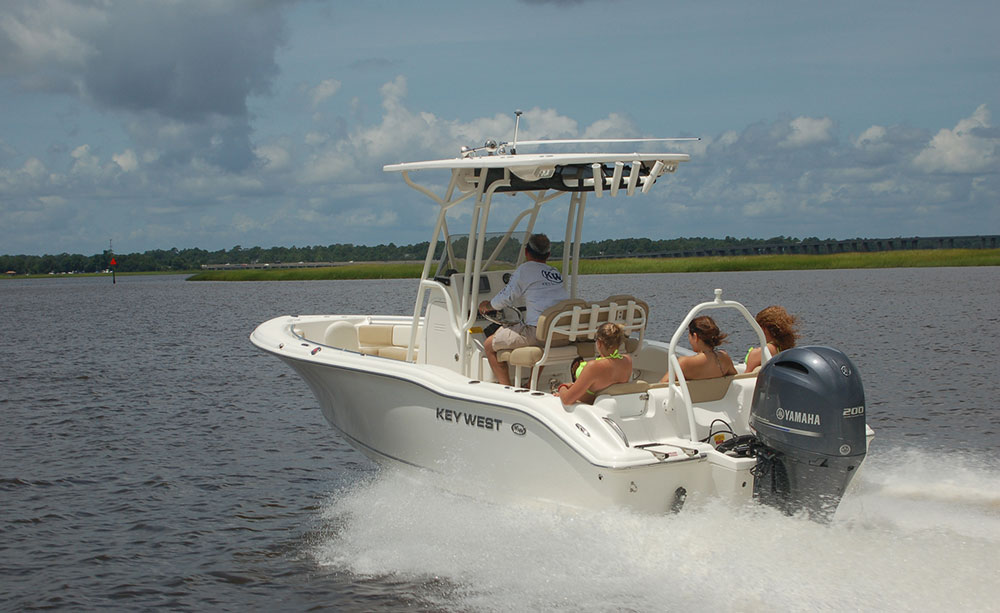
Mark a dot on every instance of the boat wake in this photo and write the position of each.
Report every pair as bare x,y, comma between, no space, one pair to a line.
914,532
914,491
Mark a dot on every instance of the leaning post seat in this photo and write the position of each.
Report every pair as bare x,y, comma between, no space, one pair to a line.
567,329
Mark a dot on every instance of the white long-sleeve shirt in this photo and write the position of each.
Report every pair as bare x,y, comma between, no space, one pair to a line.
541,286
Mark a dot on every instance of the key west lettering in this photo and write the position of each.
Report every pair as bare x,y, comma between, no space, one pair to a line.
469,419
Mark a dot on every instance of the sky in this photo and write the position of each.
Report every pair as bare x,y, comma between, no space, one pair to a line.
156,124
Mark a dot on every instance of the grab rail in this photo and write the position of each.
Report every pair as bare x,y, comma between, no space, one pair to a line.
676,382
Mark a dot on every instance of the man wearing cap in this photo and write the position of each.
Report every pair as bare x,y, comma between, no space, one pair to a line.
540,285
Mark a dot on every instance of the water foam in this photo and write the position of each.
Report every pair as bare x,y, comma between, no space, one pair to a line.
917,532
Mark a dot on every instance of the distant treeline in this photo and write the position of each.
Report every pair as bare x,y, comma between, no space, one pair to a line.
160,260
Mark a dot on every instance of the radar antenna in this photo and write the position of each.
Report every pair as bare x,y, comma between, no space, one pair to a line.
517,120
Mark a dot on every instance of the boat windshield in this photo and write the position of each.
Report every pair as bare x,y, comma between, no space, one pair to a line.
501,252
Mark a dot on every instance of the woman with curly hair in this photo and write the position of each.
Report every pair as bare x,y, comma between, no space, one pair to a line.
779,332
708,362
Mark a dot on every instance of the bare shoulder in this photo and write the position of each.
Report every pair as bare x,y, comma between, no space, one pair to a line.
728,361
601,365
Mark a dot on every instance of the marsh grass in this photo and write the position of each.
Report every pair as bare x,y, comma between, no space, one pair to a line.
347,271
881,259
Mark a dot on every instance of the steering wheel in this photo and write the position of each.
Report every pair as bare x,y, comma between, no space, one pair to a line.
506,316
445,279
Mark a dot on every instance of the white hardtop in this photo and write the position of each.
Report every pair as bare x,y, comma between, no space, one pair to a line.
536,159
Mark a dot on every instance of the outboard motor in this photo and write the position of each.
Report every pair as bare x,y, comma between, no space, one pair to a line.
808,412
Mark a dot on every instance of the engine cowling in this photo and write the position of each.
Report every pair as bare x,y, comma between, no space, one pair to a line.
808,412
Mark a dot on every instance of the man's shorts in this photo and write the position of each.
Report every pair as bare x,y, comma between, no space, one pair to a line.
511,337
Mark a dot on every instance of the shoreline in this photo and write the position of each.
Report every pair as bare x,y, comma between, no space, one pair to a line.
925,258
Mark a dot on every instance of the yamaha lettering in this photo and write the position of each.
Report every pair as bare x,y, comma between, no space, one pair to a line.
811,419
469,419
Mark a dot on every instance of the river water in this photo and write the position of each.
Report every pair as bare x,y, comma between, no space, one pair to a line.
150,457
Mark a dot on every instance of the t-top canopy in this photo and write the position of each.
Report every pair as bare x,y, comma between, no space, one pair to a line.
559,171
536,159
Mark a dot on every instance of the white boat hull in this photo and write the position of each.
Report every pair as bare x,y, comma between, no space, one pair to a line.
498,442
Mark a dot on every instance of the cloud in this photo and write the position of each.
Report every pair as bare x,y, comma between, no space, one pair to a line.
971,147
275,157
329,166
85,163
614,126
325,184
184,63
752,183
22,188
879,146
184,60
806,131
369,219
548,123
216,140
45,43
873,137
126,160
325,89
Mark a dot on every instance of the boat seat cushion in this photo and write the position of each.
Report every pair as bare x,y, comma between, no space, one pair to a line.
709,390
631,387
623,314
587,349
384,340
341,334
549,315
374,335
394,352
529,356
401,336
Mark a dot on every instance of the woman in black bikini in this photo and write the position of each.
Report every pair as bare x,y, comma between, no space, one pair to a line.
708,362
608,368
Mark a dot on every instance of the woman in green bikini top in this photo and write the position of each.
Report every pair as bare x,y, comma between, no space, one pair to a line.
608,368
779,332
